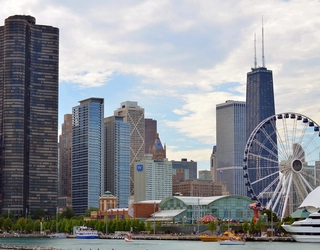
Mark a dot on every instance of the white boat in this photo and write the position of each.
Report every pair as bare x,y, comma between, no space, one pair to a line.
84,232
307,230
231,242
128,238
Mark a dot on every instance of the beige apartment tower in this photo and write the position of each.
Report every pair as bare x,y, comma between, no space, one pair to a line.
134,115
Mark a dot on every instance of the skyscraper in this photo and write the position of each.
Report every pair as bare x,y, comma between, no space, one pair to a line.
213,163
259,97
133,115
150,134
29,56
65,142
259,106
117,159
231,140
87,154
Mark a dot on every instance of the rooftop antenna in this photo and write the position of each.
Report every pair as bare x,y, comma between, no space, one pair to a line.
255,52
263,64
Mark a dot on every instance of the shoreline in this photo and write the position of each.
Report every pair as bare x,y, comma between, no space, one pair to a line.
140,237
27,248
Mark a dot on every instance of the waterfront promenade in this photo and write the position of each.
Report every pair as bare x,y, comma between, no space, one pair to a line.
190,237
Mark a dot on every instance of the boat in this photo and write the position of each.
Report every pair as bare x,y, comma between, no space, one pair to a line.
84,232
128,238
231,242
307,230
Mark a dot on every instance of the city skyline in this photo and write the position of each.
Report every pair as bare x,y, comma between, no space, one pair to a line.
178,60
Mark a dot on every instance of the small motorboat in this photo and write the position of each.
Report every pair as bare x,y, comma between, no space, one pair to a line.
128,238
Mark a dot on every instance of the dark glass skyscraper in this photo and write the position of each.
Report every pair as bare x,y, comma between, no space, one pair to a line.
260,97
259,106
29,64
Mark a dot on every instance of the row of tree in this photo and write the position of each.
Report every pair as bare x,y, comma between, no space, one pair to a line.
251,227
67,220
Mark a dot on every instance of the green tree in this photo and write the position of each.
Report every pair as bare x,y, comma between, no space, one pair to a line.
223,227
37,225
30,225
252,227
22,224
259,225
158,225
67,227
286,220
149,226
141,226
245,227
212,226
1,222
7,225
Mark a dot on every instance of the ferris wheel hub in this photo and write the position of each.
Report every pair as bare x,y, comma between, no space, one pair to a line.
296,165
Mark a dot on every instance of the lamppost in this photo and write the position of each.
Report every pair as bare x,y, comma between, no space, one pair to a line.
271,224
199,211
154,217
106,217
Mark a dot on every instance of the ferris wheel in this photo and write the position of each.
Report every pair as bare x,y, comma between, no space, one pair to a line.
281,161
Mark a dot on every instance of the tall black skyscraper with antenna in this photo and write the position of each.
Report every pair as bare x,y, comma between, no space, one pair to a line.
259,106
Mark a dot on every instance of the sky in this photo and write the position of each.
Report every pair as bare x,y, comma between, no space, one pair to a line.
178,59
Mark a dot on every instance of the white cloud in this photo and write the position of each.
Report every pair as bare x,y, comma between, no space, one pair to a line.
187,51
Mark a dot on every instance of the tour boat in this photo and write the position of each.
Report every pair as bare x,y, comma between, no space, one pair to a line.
307,230
84,232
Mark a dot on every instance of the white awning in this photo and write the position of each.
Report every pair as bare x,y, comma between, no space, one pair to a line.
165,215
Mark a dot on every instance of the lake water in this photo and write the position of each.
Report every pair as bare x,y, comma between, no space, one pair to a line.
108,244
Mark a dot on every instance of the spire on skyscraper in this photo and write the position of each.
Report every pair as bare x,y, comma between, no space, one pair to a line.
263,62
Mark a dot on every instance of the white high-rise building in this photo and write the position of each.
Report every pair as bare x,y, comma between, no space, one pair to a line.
153,179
